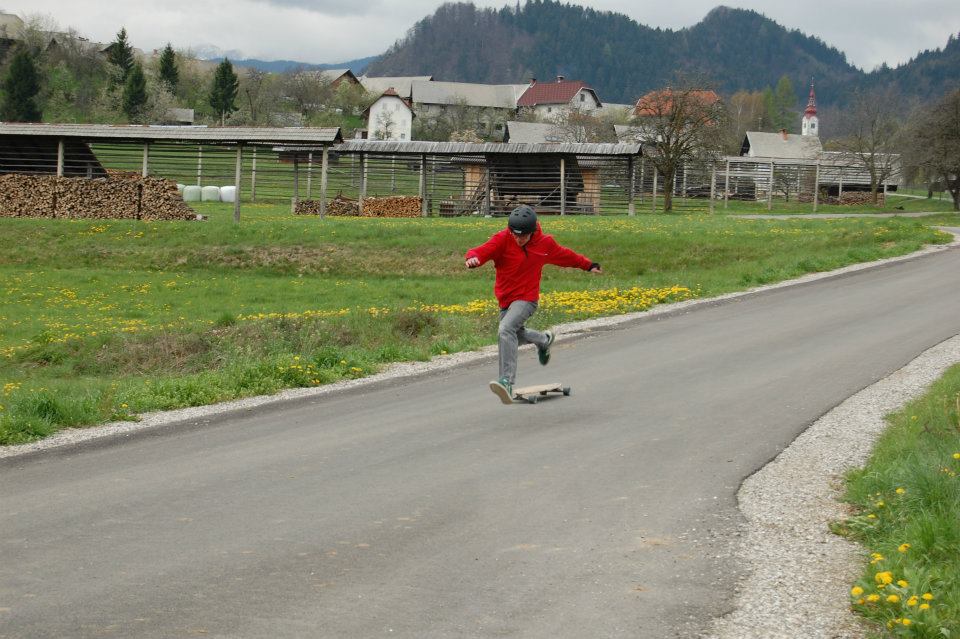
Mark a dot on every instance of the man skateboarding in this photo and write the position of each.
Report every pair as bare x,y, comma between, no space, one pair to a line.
519,253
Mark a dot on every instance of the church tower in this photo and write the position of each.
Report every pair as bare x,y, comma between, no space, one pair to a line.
810,125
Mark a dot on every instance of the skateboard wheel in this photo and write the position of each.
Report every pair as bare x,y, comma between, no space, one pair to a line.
534,399
566,390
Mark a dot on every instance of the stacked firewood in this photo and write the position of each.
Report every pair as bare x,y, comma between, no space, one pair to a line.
855,197
161,200
127,196
26,196
392,206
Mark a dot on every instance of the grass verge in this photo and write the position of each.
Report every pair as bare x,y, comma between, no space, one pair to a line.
102,320
907,499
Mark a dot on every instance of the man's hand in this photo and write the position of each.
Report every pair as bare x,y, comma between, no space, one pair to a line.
473,262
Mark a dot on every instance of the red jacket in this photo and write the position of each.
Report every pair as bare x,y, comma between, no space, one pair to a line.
519,268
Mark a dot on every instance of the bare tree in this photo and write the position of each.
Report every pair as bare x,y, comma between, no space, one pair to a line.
308,91
745,112
875,136
384,128
574,125
677,126
936,143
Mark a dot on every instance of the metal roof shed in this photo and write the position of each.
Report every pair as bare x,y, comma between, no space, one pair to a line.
502,163
319,138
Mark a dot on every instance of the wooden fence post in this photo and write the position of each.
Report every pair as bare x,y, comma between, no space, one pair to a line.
324,171
423,184
726,186
237,176
563,186
253,177
60,154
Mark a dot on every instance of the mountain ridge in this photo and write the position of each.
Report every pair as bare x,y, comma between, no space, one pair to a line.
733,49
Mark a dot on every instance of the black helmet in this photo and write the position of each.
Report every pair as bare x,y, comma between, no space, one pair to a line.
522,220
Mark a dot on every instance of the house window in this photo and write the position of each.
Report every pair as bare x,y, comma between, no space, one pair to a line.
583,97
549,109
403,136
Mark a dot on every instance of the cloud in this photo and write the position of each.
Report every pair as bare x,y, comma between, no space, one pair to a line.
329,7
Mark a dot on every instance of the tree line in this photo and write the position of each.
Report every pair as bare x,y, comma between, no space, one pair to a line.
61,77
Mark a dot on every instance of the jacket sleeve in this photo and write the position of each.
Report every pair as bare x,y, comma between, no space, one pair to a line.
486,251
562,256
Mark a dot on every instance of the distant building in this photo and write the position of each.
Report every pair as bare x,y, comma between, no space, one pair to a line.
402,85
550,99
810,124
780,146
390,117
336,77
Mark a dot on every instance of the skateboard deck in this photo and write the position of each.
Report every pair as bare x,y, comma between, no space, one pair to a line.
532,394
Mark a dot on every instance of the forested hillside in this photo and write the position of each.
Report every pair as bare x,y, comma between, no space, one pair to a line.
734,49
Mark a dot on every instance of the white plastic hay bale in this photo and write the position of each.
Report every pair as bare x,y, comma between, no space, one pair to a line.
210,194
180,188
192,193
228,193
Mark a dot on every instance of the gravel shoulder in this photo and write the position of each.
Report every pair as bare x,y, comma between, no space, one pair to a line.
797,573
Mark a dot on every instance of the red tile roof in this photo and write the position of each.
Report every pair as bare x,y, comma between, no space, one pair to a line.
661,102
557,92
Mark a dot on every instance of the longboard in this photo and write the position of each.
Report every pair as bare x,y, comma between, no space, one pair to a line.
532,394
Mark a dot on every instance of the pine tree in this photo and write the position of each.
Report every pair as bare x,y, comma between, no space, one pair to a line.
20,89
785,103
120,54
169,74
223,93
134,92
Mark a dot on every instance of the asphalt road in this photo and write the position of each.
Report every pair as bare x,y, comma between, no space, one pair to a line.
428,509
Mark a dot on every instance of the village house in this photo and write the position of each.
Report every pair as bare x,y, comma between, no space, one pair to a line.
390,117
548,100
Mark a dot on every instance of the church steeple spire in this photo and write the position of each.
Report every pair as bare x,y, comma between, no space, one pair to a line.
810,122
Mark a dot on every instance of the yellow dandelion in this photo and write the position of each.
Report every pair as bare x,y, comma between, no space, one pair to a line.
913,601
871,516
900,491
856,591
924,606
906,621
903,547
885,577
903,583
873,598
927,596
956,455
893,598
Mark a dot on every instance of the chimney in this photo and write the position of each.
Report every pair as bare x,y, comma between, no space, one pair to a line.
559,78
783,132
533,81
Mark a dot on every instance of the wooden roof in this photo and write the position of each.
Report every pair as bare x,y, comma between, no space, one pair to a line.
194,134
484,148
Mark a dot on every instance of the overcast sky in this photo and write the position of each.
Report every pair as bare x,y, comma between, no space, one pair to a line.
330,31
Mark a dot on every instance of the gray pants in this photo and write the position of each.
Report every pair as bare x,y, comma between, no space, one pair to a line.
513,335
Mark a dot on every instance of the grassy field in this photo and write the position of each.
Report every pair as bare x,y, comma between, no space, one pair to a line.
105,319
908,502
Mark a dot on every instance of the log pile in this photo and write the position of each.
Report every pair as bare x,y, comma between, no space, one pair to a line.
121,196
26,196
392,206
849,198
161,200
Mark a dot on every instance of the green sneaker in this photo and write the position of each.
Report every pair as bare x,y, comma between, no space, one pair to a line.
543,352
503,389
